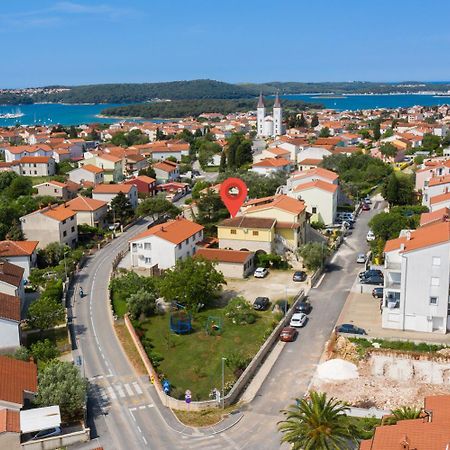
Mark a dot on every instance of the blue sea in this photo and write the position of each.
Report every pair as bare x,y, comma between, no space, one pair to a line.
63,114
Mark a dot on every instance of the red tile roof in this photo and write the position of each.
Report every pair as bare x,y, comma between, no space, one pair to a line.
219,255
9,421
16,377
272,162
166,166
248,222
35,160
60,212
10,273
282,202
423,237
17,248
92,168
440,198
9,307
317,171
440,215
175,231
85,204
436,181
317,184
310,162
112,188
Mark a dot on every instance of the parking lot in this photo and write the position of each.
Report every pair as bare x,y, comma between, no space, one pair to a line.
278,284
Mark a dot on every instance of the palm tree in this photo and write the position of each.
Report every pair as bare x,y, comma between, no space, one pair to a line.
403,413
317,423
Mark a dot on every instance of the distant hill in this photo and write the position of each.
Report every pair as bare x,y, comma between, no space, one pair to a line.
184,108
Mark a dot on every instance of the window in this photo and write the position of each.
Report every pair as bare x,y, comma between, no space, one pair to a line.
435,281
314,209
147,246
64,233
64,222
179,245
55,190
35,172
255,233
73,229
433,300
232,231
436,260
148,260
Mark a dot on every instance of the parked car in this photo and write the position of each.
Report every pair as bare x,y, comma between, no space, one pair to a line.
375,279
370,236
303,307
377,292
47,433
288,334
365,207
348,224
368,200
349,328
361,259
299,275
261,272
298,320
261,303
371,273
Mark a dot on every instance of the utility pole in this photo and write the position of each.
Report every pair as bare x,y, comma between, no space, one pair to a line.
223,382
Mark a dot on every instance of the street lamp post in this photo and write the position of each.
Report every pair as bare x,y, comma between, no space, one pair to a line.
223,382
65,265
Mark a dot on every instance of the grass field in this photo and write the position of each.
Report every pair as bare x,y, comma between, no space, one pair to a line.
58,336
119,305
193,361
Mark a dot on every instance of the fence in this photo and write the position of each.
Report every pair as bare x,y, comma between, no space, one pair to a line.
58,441
240,384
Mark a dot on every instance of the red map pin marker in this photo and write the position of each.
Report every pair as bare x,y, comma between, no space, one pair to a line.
233,193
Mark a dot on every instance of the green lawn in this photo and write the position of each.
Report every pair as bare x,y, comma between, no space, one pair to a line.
58,336
119,304
194,361
39,180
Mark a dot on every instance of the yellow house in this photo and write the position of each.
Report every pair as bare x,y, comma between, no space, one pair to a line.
247,233
289,213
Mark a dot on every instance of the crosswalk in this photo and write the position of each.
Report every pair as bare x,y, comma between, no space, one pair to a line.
116,390
211,442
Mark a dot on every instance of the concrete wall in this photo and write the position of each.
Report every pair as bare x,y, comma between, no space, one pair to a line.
9,334
252,246
53,191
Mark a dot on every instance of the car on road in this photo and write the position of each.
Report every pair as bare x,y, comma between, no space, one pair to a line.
377,292
370,236
261,272
375,279
47,433
368,200
298,320
349,328
303,307
299,275
370,273
348,224
288,334
365,207
361,258
261,303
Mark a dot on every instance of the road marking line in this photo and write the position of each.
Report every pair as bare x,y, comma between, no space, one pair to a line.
111,392
145,440
319,282
132,416
151,405
139,429
129,390
137,388
132,409
110,374
142,407
120,390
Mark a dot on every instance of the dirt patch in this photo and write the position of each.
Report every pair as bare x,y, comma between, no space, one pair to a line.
130,349
204,418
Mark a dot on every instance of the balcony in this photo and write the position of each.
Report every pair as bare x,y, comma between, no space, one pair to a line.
389,283
395,266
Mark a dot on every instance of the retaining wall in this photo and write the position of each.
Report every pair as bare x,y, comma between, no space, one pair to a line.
58,441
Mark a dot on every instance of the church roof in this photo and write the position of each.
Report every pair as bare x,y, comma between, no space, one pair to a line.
260,101
277,103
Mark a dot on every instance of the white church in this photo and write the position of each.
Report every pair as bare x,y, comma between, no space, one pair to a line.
271,125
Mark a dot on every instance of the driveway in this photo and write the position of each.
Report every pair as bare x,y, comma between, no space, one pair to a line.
278,284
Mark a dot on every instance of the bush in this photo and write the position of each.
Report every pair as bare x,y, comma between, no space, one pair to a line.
314,254
239,311
271,260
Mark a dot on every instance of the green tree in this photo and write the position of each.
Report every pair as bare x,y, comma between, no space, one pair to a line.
223,162
73,134
210,209
157,207
376,130
6,178
388,225
193,281
45,313
142,303
314,254
44,350
431,142
52,254
406,413
19,186
244,153
239,311
22,353
199,186
121,207
149,172
60,383
317,423
124,286
388,150
314,121
302,123
324,132
398,189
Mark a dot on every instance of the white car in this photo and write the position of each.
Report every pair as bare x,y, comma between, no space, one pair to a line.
261,272
370,236
298,320
361,259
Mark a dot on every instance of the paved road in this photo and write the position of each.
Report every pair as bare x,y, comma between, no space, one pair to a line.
125,412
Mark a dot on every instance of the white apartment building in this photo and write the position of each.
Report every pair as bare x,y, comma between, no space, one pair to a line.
416,280
163,245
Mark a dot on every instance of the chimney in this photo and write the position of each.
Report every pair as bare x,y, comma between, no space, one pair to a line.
402,247
408,235
404,444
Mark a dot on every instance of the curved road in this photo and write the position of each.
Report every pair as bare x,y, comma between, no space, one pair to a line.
124,410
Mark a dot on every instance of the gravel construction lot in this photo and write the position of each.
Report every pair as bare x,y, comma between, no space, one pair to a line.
278,284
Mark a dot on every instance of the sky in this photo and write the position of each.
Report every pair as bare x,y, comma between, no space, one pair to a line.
75,42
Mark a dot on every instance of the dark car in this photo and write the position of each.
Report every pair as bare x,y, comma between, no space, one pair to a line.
299,276
261,303
349,328
375,279
288,334
303,307
377,292
371,273
365,207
